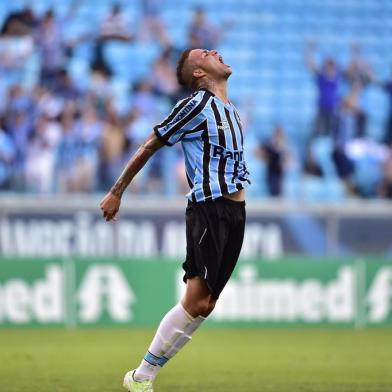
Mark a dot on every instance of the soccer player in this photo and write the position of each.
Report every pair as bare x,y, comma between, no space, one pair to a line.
210,131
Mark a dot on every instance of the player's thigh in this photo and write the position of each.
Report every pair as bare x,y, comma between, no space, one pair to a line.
230,255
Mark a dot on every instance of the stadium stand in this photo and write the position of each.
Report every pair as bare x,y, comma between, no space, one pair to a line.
113,78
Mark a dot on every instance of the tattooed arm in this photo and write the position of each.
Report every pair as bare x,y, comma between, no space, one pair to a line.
110,204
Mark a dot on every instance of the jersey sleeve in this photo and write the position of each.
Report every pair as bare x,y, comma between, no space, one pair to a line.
185,120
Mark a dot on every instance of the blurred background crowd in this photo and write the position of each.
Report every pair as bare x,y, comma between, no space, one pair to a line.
83,83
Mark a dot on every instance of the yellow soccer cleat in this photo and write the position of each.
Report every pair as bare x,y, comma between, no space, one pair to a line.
136,386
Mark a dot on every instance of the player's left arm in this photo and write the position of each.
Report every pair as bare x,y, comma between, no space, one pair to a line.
110,204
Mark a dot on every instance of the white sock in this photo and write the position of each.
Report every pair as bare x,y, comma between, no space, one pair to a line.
173,333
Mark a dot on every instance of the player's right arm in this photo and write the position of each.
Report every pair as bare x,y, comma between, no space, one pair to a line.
110,204
185,117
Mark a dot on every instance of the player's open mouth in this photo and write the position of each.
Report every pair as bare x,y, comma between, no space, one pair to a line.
221,61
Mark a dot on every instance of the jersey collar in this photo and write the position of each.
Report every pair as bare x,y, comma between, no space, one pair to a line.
206,90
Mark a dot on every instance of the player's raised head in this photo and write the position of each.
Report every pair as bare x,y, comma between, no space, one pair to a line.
196,64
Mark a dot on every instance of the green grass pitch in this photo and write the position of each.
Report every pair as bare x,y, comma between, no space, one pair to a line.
240,360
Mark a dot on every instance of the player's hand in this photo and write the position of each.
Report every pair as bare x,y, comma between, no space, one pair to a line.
110,205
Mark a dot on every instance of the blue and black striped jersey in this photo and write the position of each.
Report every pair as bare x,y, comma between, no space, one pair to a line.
212,139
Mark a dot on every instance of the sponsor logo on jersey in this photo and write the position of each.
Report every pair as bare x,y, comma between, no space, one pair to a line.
187,109
223,125
218,151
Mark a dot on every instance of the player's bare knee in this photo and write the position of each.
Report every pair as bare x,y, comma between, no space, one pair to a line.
211,306
201,307
208,307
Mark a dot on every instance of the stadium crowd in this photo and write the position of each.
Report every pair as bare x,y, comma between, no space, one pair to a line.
57,135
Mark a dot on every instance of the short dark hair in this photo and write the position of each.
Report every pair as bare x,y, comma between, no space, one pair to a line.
184,73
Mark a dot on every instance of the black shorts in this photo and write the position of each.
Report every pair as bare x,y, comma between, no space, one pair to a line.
214,235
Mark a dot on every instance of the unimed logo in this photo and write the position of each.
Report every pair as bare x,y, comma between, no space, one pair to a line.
104,286
103,290
344,298
41,301
254,298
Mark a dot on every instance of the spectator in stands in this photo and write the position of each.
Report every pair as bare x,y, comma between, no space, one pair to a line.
112,147
20,129
14,53
7,157
19,123
327,79
344,132
67,151
358,72
202,33
77,152
144,100
99,65
163,77
65,88
52,48
18,100
20,23
89,131
386,184
276,154
359,75
387,86
114,27
152,24
45,102
40,161
16,45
